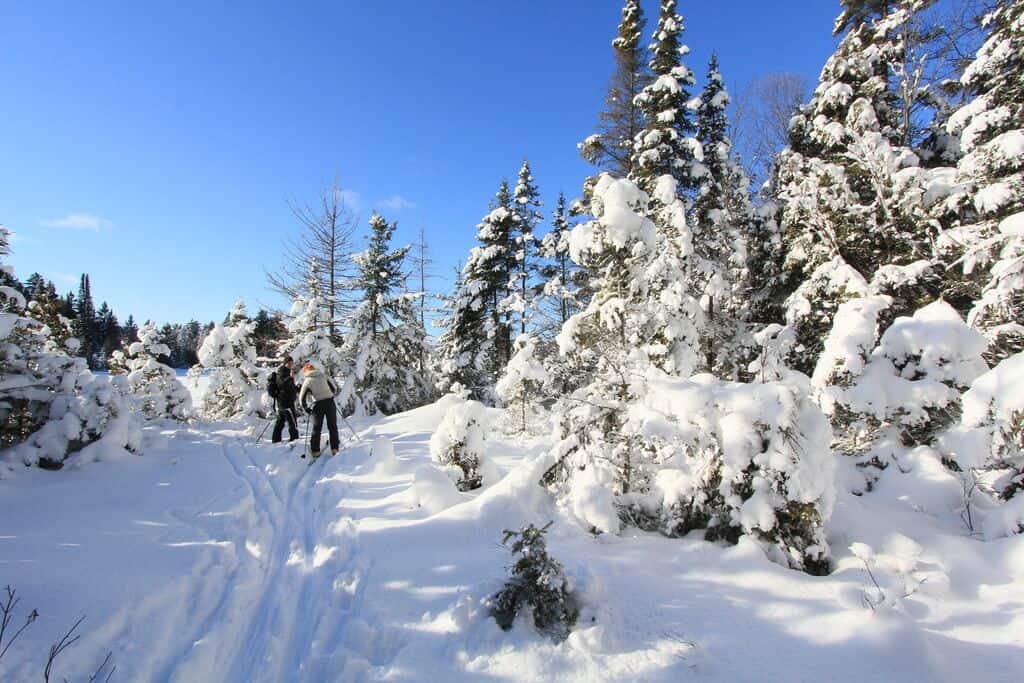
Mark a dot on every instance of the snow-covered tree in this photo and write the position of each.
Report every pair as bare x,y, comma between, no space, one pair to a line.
476,344
853,201
155,385
990,438
460,444
526,215
611,147
237,384
524,382
51,405
559,275
309,339
667,146
989,239
900,388
385,340
723,216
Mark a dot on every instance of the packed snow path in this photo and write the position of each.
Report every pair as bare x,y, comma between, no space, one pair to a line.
214,558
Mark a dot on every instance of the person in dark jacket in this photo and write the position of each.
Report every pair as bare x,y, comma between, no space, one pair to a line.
321,389
286,395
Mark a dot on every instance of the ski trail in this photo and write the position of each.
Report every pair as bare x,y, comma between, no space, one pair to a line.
282,597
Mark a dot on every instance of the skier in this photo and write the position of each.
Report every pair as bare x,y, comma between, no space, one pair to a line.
322,388
286,392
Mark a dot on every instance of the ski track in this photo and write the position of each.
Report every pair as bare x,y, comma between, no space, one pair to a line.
291,608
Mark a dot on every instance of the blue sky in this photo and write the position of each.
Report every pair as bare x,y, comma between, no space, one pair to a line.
154,145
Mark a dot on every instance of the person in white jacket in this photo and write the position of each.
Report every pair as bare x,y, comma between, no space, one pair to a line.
321,389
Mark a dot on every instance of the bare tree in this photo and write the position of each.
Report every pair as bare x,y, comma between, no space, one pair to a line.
760,120
326,232
419,257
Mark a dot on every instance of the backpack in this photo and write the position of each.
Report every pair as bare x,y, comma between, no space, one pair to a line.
272,388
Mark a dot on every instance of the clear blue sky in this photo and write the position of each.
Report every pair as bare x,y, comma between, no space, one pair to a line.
154,144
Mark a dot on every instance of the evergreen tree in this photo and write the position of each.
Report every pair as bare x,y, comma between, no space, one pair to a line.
666,147
987,239
309,339
476,344
130,331
853,216
85,322
385,340
35,285
154,384
69,309
611,148
237,384
560,276
526,215
51,406
723,215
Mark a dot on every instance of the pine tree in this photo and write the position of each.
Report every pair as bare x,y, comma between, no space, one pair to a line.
237,384
853,216
154,384
988,240
723,213
666,147
51,406
385,340
611,148
559,275
476,344
526,215
85,322
130,332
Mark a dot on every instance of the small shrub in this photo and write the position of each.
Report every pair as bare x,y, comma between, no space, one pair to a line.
538,581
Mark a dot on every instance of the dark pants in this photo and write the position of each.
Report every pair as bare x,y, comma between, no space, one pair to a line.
285,415
322,409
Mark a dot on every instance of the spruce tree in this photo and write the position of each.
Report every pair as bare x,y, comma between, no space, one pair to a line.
986,240
666,146
526,215
558,274
853,217
611,147
385,340
723,214
476,344
85,322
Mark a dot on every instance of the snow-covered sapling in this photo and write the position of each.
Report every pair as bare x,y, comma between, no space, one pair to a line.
160,393
537,581
524,380
459,443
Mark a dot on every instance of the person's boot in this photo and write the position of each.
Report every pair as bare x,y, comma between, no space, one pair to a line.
316,454
334,451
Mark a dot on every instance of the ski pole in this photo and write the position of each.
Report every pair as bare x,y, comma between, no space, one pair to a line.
265,428
305,437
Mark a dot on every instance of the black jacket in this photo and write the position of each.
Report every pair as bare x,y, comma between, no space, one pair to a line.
287,392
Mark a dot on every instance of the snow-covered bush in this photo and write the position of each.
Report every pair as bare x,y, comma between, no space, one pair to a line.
703,453
906,389
460,443
990,437
237,384
154,384
538,582
524,381
51,405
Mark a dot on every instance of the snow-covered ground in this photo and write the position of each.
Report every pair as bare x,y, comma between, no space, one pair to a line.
216,558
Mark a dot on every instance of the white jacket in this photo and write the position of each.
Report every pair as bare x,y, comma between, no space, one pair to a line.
318,385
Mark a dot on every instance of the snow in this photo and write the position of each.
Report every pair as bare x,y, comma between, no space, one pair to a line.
218,558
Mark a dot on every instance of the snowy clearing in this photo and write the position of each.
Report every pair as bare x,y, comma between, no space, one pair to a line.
216,558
